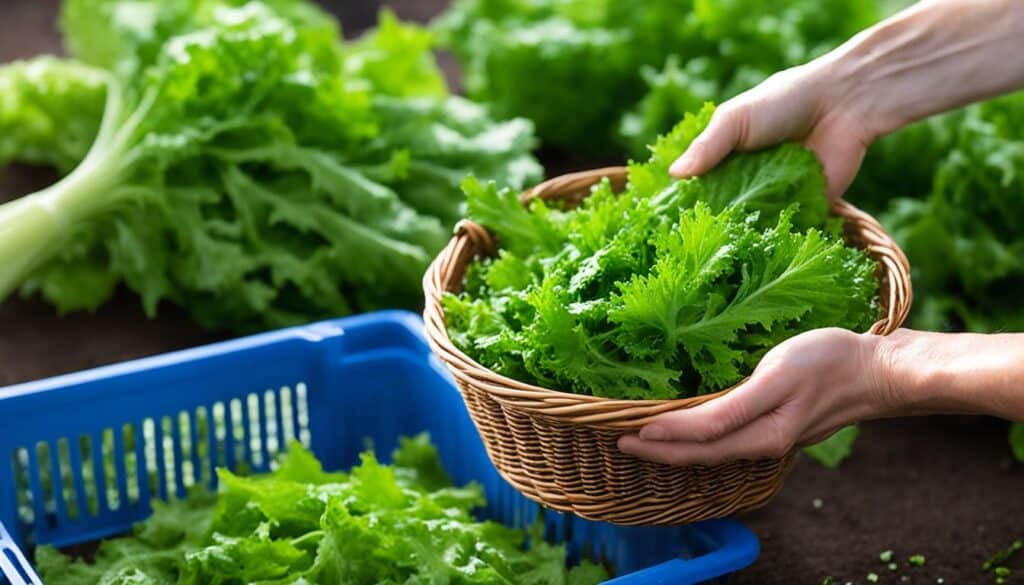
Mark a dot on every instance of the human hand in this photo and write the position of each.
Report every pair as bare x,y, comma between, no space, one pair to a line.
929,58
803,390
805,104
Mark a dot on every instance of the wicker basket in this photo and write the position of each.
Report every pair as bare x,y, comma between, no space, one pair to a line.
559,449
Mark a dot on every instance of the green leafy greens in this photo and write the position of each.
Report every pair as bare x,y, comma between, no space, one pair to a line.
239,160
963,237
1017,440
593,73
403,523
831,452
671,288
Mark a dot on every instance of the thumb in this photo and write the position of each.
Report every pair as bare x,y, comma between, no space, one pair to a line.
722,135
841,155
763,392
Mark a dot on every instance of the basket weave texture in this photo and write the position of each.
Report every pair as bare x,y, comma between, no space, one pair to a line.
559,449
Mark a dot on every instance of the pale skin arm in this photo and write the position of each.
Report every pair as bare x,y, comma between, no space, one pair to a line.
935,56
811,386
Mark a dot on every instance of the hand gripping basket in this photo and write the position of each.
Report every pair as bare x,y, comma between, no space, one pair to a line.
559,449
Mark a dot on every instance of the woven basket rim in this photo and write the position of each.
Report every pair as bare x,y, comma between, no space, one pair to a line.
614,413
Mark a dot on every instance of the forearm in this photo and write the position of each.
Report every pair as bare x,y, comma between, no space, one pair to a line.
931,373
933,57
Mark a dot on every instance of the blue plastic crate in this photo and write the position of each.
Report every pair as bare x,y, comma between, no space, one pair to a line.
111,438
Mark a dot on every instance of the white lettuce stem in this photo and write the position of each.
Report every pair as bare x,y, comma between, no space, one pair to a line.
33,228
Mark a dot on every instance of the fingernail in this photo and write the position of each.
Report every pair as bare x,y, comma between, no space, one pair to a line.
682,166
652,433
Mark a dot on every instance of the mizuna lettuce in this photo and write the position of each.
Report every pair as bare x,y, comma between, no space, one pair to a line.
403,523
249,166
670,289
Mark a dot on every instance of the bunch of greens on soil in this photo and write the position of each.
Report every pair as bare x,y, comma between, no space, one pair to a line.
669,289
831,452
593,73
1017,440
239,160
996,564
403,523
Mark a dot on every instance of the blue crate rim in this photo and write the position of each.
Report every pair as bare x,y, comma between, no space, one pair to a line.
313,332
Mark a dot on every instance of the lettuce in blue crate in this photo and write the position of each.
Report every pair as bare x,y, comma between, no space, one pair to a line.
672,288
240,160
400,523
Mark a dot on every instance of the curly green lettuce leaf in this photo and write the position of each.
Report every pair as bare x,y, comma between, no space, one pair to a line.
395,60
683,301
399,523
902,165
670,288
128,36
586,71
524,229
250,166
963,239
674,88
50,111
1017,440
768,181
564,77
154,554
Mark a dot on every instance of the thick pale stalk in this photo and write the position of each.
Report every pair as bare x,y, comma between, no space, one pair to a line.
33,228
27,232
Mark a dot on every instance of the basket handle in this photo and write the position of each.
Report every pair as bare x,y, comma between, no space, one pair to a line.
574,187
892,263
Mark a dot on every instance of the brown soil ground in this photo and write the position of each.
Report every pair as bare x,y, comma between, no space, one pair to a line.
941,487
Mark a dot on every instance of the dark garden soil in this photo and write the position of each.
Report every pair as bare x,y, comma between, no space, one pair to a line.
941,487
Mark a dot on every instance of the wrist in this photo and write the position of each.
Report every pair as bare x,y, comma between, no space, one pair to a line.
930,58
907,381
949,373
856,88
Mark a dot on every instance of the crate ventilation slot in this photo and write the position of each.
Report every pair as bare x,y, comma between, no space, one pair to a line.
120,468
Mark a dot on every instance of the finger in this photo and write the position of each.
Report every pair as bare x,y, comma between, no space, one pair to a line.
765,438
712,145
764,391
840,156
